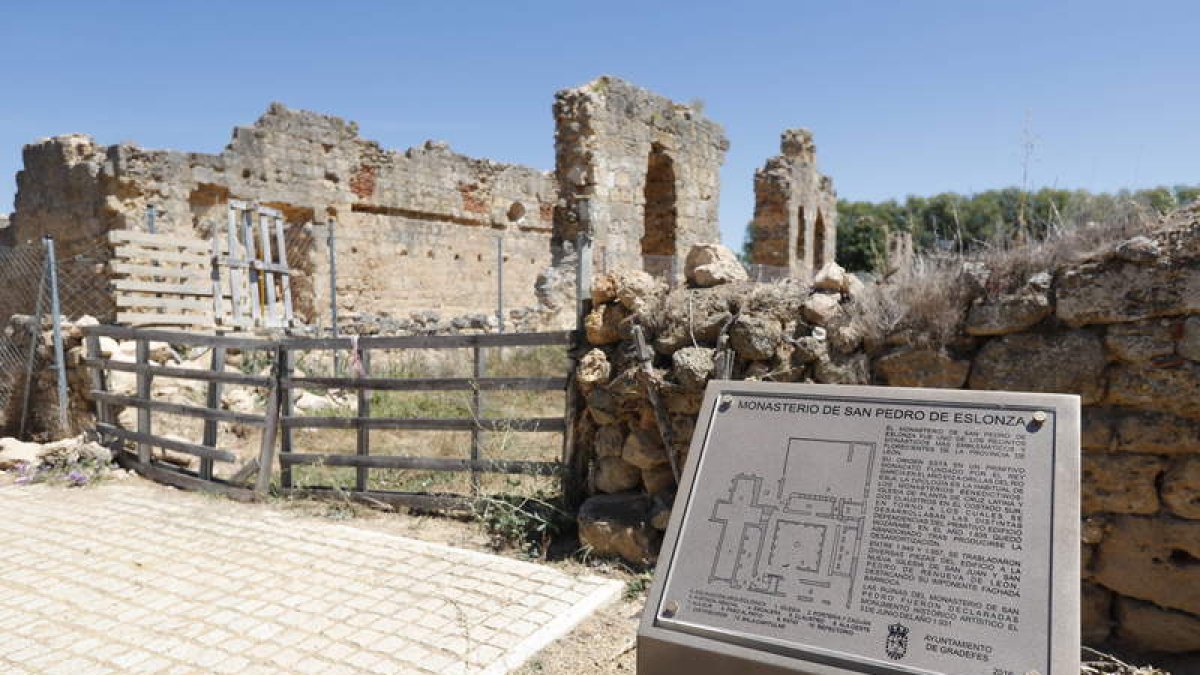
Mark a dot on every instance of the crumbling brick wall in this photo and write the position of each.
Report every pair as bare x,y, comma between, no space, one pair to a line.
795,209
406,220
641,170
1120,328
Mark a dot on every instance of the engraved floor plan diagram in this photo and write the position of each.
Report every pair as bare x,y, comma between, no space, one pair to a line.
797,537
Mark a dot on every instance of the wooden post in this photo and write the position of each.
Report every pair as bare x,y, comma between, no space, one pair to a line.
214,275
143,391
477,413
645,356
500,284
271,314
364,412
266,455
212,401
285,278
285,441
99,381
251,264
236,275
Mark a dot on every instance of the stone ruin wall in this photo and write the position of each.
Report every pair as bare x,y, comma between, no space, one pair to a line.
1121,329
640,171
406,222
795,210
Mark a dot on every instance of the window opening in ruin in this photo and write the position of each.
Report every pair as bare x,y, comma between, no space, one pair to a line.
801,235
660,210
819,243
516,212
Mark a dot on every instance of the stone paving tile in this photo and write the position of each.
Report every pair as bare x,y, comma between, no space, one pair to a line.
131,578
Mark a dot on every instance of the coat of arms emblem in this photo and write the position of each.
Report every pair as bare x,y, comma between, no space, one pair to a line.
897,641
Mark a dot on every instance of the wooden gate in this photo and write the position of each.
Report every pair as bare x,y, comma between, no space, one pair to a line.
282,447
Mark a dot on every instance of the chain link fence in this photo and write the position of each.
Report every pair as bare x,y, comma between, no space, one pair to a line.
23,293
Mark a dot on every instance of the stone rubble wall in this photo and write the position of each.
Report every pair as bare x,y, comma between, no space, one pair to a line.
1120,328
404,218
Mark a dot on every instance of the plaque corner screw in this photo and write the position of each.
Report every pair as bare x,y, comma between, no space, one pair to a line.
724,402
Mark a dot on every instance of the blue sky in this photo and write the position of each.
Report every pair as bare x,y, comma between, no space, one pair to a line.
903,97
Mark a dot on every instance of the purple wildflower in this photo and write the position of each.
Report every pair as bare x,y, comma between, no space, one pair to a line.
77,478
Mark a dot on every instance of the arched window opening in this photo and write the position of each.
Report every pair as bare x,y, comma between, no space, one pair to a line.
658,240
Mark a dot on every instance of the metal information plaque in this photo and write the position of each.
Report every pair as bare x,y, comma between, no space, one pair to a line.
824,529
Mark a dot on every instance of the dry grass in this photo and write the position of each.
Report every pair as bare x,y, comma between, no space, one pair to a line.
925,305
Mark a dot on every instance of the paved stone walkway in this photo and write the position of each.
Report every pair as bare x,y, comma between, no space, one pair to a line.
130,578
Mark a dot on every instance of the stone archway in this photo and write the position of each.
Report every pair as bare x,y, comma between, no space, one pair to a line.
819,259
661,212
801,238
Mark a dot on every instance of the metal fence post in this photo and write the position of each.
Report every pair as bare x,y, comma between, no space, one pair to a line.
151,214
59,361
500,284
583,279
331,242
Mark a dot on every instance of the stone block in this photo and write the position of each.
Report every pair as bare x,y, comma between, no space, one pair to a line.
658,479
1154,559
692,367
922,368
609,440
1120,483
1095,609
755,338
852,370
831,277
620,525
1120,292
1181,488
1068,363
614,474
820,308
644,449
1156,433
1145,627
1098,430
593,369
711,264
1142,341
1173,390
1189,341
602,324
1007,314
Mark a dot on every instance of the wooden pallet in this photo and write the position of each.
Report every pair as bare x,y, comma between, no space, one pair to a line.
240,280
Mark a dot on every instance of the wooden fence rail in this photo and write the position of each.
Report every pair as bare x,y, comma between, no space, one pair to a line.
253,477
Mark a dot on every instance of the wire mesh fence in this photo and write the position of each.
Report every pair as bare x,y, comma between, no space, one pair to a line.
23,291
83,284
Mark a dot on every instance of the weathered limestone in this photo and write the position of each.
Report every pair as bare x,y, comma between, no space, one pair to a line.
1120,484
638,172
1152,559
1135,373
1152,628
620,525
1119,292
1070,363
1181,488
795,209
922,368
405,219
1007,314
712,265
